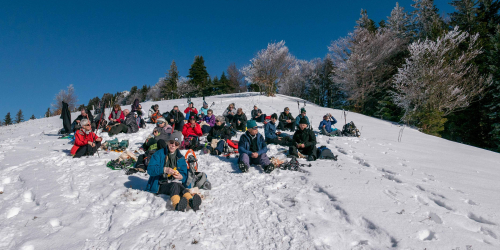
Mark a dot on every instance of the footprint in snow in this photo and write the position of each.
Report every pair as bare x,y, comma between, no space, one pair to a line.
480,219
425,235
13,212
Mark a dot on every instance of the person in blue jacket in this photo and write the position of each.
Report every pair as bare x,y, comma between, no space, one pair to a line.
168,175
253,149
273,137
302,115
325,126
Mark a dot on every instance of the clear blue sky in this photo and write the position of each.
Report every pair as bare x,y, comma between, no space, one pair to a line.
110,46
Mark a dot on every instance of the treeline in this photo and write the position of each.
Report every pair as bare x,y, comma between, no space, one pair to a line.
18,119
418,68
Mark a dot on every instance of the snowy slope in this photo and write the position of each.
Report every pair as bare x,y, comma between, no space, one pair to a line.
421,193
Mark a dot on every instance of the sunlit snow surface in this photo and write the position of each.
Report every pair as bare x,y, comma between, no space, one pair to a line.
421,193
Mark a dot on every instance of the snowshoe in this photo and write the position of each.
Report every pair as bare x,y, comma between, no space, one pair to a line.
195,202
269,168
182,205
243,167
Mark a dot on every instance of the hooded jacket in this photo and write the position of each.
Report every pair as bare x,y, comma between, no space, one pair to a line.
131,123
210,120
219,132
328,124
82,139
306,137
270,130
187,130
177,116
245,141
155,169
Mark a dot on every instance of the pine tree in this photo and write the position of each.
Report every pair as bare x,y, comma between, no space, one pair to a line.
226,86
198,73
144,92
7,120
399,21
19,117
494,105
171,79
427,22
33,117
47,113
365,22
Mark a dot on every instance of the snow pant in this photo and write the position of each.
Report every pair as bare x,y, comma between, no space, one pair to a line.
120,128
87,150
172,188
286,126
284,141
205,129
220,146
262,159
261,118
333,133
177,126
311,150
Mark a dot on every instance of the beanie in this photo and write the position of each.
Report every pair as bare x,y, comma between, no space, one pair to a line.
303,120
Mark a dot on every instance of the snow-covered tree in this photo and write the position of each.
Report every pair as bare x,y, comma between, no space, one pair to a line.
154,93
399,21
438,79
236,78
19,117
365,23
363,62
184,87
68,97
300,78
269,67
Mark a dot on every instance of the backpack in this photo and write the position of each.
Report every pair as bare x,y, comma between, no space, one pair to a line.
326,153
191,142
155,117
195,178
350,130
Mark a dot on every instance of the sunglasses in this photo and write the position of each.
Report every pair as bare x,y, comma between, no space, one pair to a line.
88,125
217,120
174,142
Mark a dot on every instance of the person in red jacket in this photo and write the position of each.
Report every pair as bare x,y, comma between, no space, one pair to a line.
190,111
116,116
86,141
191,128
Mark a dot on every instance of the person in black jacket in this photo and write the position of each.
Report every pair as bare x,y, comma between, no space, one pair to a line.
257,114
219,133
85,114
286,121
305,142
240,121
128,126
176,119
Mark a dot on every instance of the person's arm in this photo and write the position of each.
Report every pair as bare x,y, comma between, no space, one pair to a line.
185,130
182,168
197,130
312,139
263,147
244,119
212,121
155,166
80,140
194,110
268,131
186,110
241,147
282,118
110,116
334,121
321,125
122,117
292,119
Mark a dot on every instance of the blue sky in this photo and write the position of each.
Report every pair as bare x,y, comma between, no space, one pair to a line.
110,46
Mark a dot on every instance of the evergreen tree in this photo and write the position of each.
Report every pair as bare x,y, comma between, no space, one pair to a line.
493,106
93,103
226,86
399,21
47,113
19,117
7,120
33,117
198,73
427,22
169,89
365,22
144,92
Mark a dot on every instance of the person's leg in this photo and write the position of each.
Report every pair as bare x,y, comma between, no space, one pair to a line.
244,162
94,149
81,151
205,129
293,151
220,146
263,160
310,151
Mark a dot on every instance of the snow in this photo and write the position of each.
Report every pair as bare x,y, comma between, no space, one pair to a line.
421,193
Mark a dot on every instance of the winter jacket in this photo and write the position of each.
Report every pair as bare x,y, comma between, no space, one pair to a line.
187,130
283,117
245,141
219,132
81,117
177,116
210,120
242,118
328,124
164,133
256,113
306,137
228,112
297,120
82,139
204,111
270,131
155,169
151,111
190,111
117,115
131,123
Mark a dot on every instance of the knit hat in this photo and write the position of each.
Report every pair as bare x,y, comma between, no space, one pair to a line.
205,103
302,110
175,136
161,120
220,118
274,116
251,124
303,120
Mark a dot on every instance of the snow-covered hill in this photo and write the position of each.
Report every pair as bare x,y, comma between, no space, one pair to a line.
421,193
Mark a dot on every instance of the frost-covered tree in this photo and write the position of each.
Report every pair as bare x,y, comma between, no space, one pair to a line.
236,78
67,96
154,92
366,23
269,67
426,20
438,79
399,21
185,88
19,117
363,62
300,78
7,120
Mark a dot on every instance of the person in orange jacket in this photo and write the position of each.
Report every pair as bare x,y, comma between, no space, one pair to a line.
86,141
192,128
190,111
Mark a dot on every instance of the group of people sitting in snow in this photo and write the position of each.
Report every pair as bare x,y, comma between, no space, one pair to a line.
176,130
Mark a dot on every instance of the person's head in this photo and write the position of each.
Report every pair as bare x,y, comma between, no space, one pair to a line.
325,117
240,111
210,112
83,112
252,127
85,125
255,107
117,107
176,108
303,111
174,141
161,122
231,106
219,120
156,107
191,104
274,118
126,112
302,123
192,119
287,110
205,104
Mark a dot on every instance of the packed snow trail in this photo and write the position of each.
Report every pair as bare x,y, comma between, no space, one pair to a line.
424,192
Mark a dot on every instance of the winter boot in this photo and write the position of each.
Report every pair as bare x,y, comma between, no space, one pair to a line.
181,205
195,202
269,168
310,158
243,167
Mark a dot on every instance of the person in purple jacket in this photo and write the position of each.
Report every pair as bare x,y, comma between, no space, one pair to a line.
210,120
